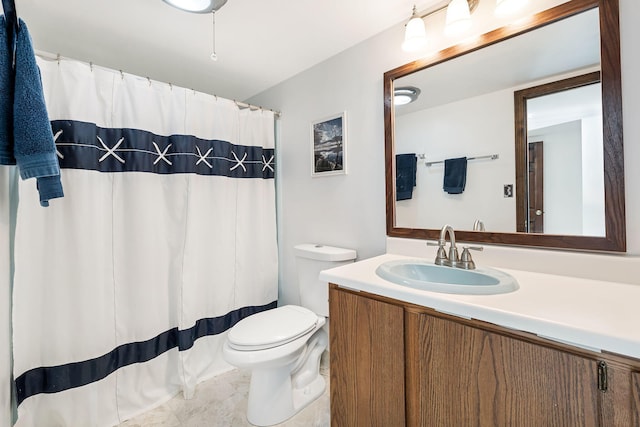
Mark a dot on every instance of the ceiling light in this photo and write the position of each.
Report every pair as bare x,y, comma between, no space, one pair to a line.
197,6
405,95
508,7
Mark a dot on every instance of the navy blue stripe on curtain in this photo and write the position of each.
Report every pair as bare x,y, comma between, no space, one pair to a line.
82,145
54,379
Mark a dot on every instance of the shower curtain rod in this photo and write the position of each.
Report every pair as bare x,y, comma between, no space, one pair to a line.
240,104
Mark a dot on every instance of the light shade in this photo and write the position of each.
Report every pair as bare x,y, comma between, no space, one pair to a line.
405,95
197,6
458,17
415,36
508,7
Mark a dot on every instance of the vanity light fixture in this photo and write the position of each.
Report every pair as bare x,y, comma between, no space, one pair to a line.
458,19
415,36
197,6
405,95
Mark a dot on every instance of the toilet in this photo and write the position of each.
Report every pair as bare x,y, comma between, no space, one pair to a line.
282,347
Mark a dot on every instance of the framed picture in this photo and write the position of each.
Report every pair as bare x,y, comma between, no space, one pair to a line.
328,139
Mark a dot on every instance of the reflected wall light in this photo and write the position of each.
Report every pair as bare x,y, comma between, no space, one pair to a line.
458,20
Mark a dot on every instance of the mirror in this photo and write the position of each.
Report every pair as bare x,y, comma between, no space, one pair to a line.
480,101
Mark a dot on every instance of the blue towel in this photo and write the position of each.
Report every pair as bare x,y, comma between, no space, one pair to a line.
34,148
455,175
405,175
6,98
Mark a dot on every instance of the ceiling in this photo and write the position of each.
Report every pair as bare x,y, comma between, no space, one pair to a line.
259,43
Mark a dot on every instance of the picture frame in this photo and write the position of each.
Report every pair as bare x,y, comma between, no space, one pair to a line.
328,145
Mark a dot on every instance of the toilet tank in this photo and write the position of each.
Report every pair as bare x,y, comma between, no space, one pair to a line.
311,259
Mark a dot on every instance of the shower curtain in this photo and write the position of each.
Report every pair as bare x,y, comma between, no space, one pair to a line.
166,237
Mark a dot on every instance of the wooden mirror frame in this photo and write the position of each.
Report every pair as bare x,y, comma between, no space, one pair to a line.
615,237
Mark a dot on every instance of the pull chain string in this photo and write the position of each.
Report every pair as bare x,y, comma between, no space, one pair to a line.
214,56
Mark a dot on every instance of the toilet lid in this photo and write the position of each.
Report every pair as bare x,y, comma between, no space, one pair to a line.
272,328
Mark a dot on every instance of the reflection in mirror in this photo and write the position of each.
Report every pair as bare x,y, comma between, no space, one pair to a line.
466,109
561,190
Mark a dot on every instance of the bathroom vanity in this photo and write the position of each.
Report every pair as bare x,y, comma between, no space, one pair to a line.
557,351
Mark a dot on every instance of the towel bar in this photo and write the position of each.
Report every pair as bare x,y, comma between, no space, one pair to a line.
489,156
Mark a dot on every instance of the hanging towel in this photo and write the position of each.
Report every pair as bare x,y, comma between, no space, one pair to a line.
6,98
405,175
34,147
455,175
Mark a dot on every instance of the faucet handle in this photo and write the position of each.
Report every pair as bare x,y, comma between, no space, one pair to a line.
466,261
441,255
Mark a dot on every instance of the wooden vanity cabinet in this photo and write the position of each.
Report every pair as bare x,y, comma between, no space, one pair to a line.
458,372
367,361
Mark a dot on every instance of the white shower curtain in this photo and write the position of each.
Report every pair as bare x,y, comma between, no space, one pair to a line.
166,237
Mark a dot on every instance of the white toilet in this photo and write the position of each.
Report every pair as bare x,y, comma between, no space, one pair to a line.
282,346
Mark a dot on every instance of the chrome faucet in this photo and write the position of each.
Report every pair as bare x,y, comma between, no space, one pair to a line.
452,259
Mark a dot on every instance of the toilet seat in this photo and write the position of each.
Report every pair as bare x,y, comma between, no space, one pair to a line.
272,328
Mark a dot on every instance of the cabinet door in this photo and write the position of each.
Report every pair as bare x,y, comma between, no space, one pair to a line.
464,376
635,400
367,361
621,400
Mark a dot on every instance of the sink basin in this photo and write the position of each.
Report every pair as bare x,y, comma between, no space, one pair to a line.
424,275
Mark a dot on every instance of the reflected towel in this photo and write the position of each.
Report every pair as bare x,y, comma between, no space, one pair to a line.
406,165
455,175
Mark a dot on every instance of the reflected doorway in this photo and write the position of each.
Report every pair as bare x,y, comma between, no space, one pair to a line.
536,187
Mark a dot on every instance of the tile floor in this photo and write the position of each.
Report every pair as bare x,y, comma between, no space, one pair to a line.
222,402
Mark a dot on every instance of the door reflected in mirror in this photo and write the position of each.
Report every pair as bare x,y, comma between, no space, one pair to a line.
564,188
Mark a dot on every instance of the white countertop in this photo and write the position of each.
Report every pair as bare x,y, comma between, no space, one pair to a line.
592,314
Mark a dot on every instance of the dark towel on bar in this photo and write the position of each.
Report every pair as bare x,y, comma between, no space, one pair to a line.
34,147
455,175
405,175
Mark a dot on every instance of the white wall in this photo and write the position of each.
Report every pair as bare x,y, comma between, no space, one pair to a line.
347,210
350,210
593,223
436,132
562,185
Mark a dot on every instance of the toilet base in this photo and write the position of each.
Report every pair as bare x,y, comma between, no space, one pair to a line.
278,393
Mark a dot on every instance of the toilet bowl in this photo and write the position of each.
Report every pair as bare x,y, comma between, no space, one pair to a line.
282,347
